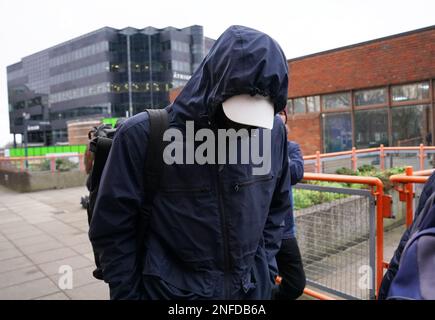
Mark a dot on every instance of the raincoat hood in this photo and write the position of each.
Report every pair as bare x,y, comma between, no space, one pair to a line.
242,61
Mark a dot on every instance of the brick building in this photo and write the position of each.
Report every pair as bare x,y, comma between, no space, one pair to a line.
363,95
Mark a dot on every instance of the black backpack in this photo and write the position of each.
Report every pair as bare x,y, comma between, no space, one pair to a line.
100,145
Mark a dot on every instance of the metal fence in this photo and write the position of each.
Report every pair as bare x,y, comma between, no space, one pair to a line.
337,240
53,163
420,157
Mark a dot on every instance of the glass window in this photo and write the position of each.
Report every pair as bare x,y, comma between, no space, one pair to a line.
370,97
299,105
411,125
313,104
415,91
290,106
371,128
336,101
337,132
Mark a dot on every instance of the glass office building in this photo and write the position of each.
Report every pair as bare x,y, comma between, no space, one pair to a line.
106,73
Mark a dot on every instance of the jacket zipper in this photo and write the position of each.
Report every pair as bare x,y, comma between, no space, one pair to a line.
225,239
239,185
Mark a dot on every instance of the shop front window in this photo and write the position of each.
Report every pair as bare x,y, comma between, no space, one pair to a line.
313,104
299,105
370,97
410,92
337,132
411,125
371,128
336,101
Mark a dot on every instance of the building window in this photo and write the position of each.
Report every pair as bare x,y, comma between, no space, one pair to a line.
19,105
337,132
166,45
371,128
290,106
411,125
80,92
370,97
336,101
299,105
313,104
410,92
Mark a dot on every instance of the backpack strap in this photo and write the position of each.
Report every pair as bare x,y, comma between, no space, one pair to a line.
159,122
101,146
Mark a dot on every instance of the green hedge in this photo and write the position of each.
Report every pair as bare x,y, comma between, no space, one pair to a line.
307,198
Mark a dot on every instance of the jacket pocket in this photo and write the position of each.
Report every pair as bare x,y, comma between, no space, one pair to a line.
243,184
249,281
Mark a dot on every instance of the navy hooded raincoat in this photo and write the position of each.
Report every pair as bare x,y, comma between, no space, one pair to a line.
215,229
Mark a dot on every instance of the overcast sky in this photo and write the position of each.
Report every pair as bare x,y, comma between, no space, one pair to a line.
301,27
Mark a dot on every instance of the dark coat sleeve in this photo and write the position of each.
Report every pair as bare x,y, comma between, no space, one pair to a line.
113,226
296,162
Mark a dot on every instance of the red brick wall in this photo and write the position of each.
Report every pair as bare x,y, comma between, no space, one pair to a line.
305,130
396,60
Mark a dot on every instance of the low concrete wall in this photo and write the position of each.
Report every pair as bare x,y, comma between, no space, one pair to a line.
36,181
328,228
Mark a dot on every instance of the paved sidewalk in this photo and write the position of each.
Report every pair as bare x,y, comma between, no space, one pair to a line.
39,233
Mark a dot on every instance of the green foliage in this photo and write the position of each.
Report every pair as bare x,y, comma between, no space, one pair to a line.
366,168
307,198
63,164
371,171
346,171
45,165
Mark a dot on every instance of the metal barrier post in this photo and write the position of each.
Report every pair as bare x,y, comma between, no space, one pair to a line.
81,163
409,197
421,156
318,162
353,159
52,164
382,157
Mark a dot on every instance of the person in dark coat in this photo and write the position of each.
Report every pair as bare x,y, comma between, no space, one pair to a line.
393,267
215,229
289,258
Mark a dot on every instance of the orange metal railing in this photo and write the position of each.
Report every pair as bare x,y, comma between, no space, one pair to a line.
406,190
382,150
403,183
317,295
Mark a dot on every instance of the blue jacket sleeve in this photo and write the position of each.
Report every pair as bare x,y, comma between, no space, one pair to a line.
113,227
296,162
395,260
279,208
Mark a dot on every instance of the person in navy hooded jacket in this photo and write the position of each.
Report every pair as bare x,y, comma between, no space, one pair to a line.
215,229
